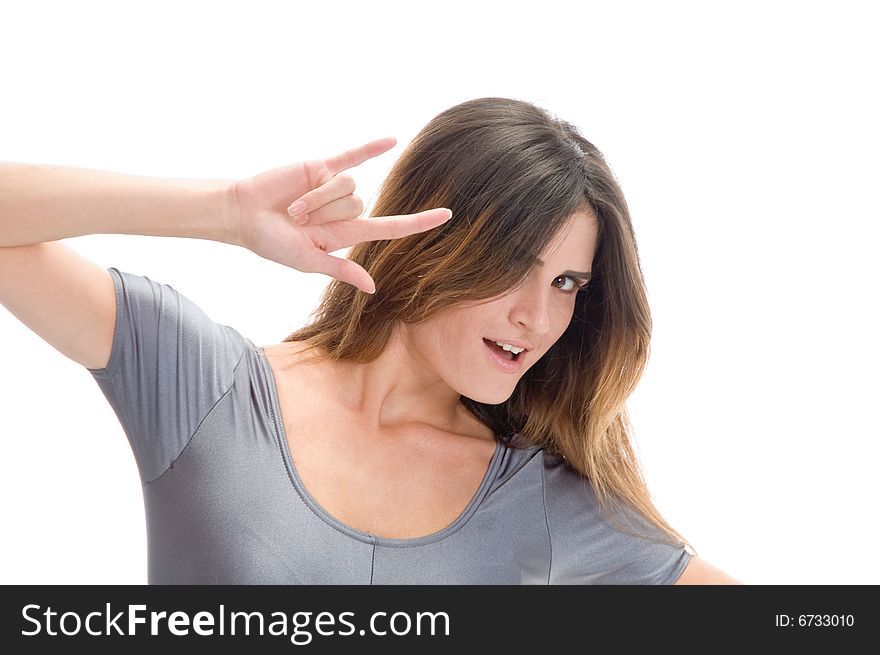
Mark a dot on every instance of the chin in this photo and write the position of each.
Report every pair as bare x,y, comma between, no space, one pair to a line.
491,399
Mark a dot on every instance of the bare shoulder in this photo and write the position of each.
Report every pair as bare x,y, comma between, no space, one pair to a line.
699,571
285,355
285,347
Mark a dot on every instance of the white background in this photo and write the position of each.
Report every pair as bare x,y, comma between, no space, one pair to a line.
745,137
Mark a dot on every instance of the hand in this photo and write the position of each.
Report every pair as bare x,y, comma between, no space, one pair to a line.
331,210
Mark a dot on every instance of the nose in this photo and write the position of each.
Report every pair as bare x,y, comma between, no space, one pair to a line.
531,309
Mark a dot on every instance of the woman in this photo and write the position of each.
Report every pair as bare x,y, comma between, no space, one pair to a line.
404,435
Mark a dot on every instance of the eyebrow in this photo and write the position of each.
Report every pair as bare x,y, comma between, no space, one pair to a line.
583,275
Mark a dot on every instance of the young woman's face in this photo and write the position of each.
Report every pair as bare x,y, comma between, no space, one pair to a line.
536,313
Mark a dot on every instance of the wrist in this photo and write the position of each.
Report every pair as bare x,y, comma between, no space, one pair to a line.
229,213
213,211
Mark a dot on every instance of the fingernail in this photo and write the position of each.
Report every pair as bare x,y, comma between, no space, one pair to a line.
296,207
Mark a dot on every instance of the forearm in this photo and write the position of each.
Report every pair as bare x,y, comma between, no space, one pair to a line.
40,202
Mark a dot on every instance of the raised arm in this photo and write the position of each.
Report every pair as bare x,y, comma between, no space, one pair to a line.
40,203
66,299
70,301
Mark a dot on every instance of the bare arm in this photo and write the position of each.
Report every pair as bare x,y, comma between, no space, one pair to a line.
70,301
40,203
699,571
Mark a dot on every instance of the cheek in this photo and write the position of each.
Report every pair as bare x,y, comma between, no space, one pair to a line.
447,343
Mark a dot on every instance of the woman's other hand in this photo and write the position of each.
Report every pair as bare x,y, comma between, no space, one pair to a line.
268,205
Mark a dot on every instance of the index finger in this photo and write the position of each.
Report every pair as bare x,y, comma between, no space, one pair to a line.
355,156
395,227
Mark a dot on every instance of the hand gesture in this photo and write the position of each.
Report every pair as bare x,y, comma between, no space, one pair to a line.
324,217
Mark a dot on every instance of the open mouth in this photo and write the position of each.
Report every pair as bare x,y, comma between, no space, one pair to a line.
504,353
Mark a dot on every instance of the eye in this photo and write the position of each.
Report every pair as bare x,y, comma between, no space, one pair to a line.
577,284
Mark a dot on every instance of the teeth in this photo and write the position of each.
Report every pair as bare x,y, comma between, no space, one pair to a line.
512,349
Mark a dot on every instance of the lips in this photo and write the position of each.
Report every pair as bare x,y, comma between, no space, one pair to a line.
505,355
511,342
501,358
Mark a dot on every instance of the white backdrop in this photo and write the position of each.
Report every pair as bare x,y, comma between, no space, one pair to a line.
745,137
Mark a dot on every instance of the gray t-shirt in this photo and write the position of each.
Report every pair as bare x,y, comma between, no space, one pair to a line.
224,504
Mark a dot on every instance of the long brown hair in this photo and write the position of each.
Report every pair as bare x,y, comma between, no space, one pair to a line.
512,174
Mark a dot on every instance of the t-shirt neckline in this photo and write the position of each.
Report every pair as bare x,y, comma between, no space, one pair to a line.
354,533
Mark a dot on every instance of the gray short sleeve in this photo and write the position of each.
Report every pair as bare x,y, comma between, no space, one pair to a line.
169,365
587,548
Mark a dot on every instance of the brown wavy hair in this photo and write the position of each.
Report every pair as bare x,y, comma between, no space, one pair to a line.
512,174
